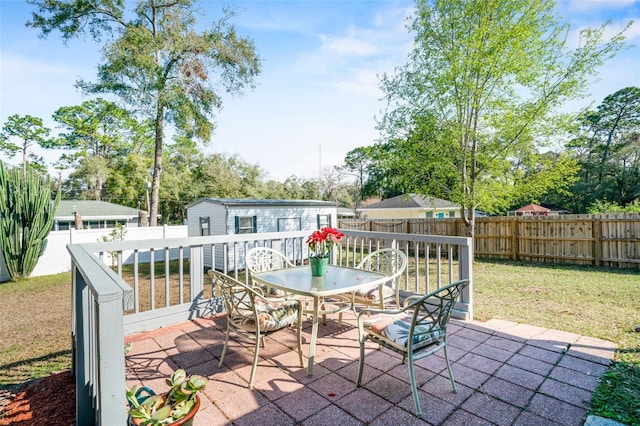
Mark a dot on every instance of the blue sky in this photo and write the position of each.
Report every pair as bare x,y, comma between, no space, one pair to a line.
317,97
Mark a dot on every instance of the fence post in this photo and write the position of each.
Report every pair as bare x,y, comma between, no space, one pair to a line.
597,244
514,238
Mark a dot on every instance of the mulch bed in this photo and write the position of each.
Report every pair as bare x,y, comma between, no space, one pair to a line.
50,401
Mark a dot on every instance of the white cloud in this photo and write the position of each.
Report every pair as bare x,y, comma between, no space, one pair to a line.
346,46
351,58
362,82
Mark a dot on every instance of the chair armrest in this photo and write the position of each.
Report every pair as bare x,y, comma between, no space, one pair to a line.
367,313
275,299
410,300
374,311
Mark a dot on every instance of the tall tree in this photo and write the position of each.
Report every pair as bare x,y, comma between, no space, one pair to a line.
29,131
157,62
358,161
333,188
128,181
491,76
179,182
97,135
607,146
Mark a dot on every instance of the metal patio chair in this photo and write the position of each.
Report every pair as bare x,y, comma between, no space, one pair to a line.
260,259
389,261
414,331
253,315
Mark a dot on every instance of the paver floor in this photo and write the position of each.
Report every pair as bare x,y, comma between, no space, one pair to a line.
506,373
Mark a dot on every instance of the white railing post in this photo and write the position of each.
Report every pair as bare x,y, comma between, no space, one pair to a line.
80,346
465,265
196,271
99,299
110,338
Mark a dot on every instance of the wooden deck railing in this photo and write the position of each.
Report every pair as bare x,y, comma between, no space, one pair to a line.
156,283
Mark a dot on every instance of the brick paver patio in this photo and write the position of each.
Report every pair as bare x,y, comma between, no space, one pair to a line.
506,373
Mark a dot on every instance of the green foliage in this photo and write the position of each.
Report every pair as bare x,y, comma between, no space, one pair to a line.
29,130
117,234
607,146
99,137
157,63
617,395
479,97
360,162
26,218
609,207
161,409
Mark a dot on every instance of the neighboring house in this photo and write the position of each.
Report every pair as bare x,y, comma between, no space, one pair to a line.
345,213
411,206
228,216
91,214
532,210
536,210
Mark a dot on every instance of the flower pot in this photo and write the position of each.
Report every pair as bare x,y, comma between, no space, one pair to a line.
184,421
318,266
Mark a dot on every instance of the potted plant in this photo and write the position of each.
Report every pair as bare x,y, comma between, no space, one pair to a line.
320,243
176,407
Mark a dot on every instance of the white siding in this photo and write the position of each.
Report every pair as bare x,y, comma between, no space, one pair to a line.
267,219
217,225
222,222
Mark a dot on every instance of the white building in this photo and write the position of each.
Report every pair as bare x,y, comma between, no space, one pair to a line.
229,216
92,214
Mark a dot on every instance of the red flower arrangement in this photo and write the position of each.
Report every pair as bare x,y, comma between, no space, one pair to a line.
321,242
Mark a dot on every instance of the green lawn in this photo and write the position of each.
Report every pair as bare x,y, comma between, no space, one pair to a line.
35,329
596,302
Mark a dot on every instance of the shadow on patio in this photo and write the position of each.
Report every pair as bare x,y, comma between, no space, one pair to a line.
507,374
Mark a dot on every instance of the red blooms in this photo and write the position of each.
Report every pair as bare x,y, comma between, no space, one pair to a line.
321,242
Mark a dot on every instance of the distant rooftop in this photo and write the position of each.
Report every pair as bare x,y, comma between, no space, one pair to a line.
91,209
411,201
260,202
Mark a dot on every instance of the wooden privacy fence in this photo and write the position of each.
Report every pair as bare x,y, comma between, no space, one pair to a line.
600,240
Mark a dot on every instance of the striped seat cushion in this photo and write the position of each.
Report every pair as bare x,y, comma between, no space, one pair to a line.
374,293
271,316
396,329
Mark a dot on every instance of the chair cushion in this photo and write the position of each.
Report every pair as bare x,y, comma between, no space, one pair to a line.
377,323
373,293
271,315
272,292
396,328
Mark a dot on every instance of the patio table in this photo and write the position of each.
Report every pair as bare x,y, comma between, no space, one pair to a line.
338,280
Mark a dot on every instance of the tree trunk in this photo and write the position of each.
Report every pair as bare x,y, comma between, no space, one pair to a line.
470,226
157,168
24,161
